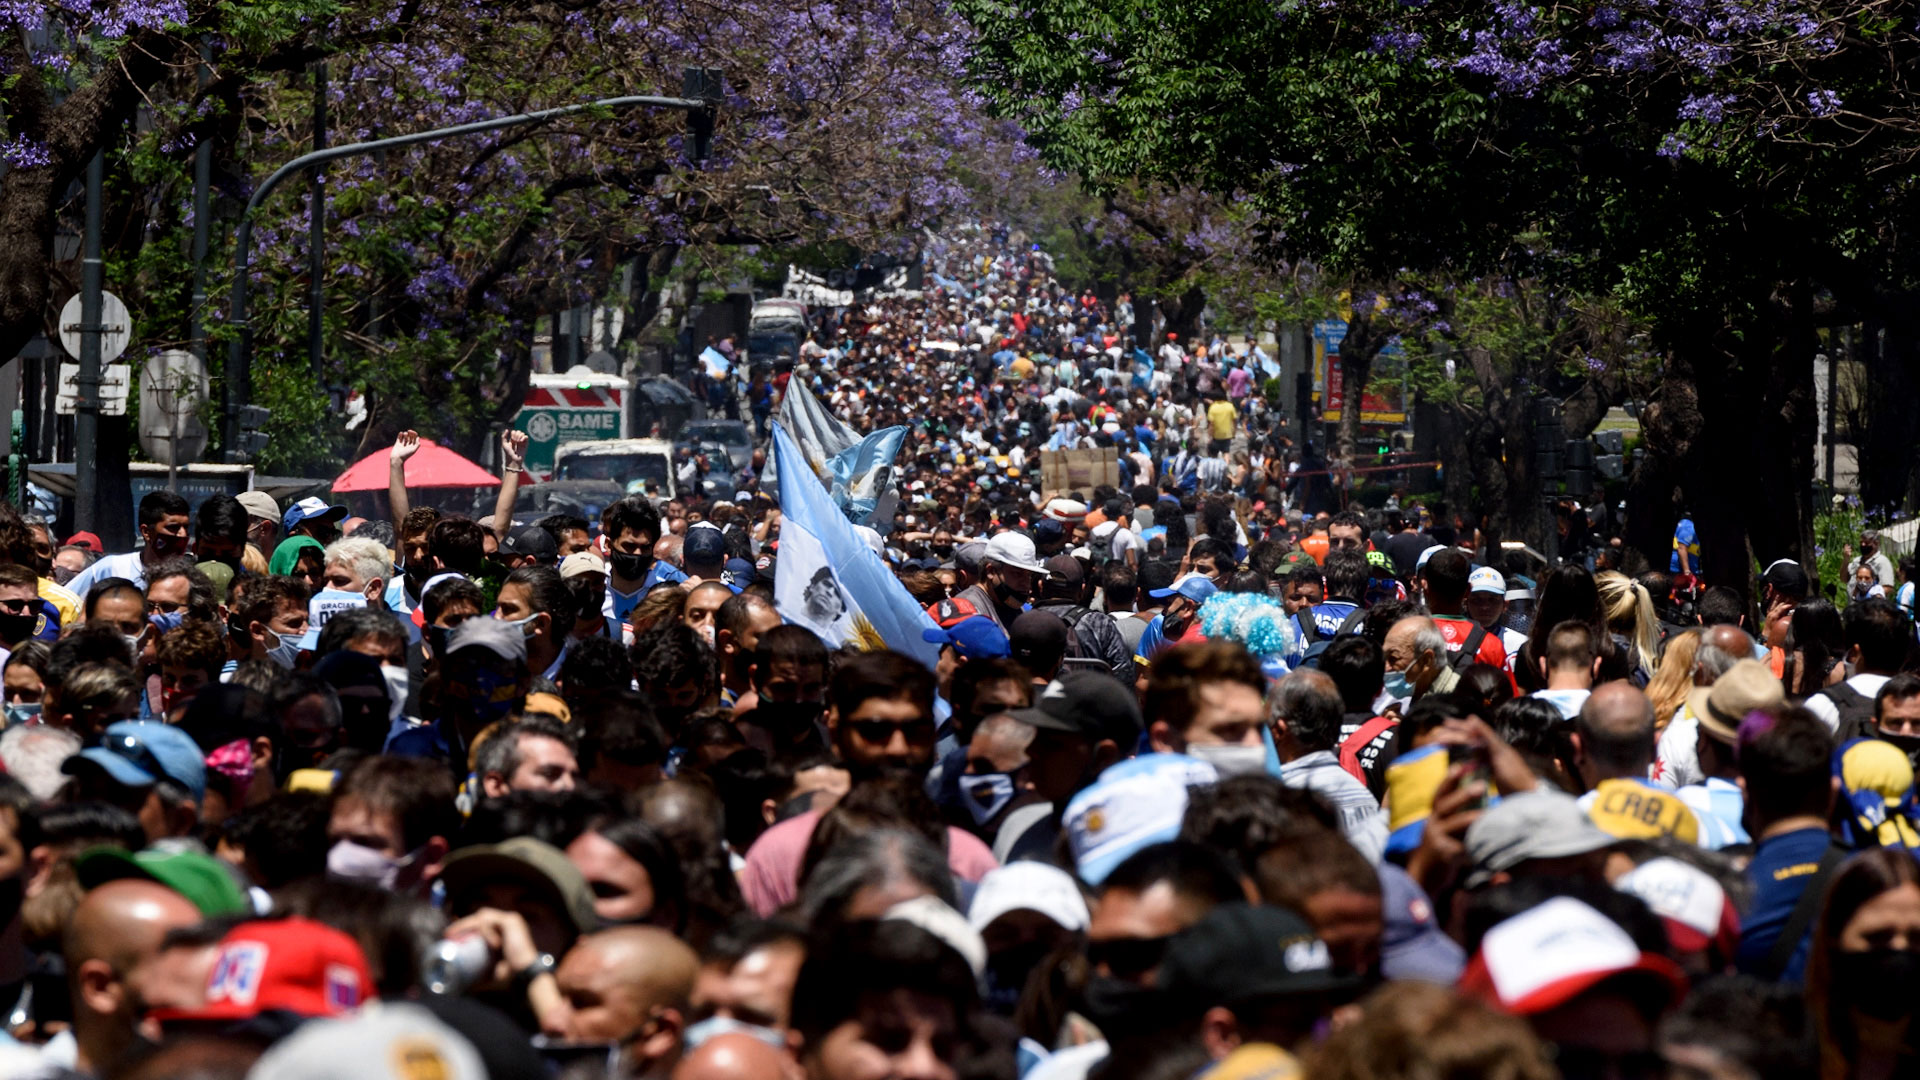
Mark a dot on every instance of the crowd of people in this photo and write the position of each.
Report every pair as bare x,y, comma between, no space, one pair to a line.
1210,779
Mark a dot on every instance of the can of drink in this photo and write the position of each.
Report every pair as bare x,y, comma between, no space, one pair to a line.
454,965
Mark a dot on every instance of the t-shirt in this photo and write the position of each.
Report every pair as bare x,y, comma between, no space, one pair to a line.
771,878
1327,617
126,566
1685,537
1221,415
1458,629
1376,755
1782,867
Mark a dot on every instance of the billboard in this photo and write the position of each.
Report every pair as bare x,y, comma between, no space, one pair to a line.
1381,404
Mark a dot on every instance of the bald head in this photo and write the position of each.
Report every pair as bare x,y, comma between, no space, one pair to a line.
624,978
1616,733
1721,647
123,922
733,1057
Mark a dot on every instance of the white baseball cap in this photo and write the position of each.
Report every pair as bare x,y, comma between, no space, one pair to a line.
404,1042
582,562
1134,804
1029,886
1487,580
1014,549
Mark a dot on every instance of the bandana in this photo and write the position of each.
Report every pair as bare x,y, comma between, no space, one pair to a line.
235,762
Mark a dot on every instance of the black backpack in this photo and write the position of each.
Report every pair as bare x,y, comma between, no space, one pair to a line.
1469,650
1855,709
1310,628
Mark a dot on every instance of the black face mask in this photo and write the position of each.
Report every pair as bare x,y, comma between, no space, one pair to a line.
17,628
630,567
788,719
1114,1005
417,574
1008,972
437,640
1007,597
1880,983
944,551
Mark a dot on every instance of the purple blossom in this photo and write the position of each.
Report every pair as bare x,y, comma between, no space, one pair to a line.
24,153
1824,102
1708,107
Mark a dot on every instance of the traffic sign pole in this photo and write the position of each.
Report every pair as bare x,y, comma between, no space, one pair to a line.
86,412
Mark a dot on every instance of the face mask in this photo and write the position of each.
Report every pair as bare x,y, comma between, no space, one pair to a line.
284,650
134,642
1007,596
396,678
1008,972
1397,685
167,621
348,861
331,601
727,1025
1880,983
1231,761
789,718
527,629
23,713
986,794
629,567
165,544
63,574
1114,1004
944,551
437,639
17,628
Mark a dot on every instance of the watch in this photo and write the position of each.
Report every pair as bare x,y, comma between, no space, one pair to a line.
542,965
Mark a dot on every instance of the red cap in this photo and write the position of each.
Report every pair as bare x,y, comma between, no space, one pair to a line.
1554,952
949,612
288,965
87,540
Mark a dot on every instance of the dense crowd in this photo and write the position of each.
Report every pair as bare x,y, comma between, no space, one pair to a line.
1211,778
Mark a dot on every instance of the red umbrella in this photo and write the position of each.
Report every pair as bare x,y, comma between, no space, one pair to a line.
431,466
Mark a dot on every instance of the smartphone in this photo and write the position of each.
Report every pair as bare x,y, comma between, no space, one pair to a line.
1478,766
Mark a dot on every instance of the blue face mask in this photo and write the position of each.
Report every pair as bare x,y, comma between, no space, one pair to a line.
167,621
22,713
727,1025
284,651
1398,686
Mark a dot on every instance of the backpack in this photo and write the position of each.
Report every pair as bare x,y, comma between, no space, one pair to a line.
1855,709
1362,736
1310,627
1469,650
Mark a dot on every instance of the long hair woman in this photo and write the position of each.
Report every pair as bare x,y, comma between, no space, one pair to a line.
1864,969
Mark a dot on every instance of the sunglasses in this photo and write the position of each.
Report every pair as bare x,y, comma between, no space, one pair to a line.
19,607
1128,958
880,732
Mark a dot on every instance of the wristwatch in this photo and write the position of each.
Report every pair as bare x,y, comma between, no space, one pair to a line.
542,965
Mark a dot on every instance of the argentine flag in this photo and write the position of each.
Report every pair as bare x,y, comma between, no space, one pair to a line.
861,466
828,580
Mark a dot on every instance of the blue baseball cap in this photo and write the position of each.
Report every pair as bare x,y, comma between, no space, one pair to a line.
309,508
1198,588
974,638
705,544
138,752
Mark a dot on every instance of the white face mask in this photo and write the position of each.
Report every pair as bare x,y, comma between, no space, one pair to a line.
1232,760
396,678
986,794
348,861
284,651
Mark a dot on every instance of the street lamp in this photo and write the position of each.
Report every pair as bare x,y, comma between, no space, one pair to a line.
702,86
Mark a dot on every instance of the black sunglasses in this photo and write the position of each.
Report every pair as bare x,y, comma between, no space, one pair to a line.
1128,958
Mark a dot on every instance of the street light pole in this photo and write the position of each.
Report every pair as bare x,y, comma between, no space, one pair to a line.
317,229
237,389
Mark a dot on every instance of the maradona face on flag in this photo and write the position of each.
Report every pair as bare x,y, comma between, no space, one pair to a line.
828,579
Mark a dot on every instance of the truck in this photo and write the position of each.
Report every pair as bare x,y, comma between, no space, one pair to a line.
775,331
637,465
578,406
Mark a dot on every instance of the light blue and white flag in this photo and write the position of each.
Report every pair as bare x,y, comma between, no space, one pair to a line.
861,466
718,366
828,580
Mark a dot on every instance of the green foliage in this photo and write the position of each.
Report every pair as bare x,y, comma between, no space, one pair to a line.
1836,530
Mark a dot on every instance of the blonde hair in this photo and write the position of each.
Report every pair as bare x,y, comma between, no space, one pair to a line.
1410,1029
1629,611
254,561
1674,681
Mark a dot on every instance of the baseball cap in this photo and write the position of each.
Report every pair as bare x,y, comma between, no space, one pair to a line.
200,878
1412,945
1426,554
1014,549
951,612
393,1042
1198,588
259,504
1089,703
1065,510
1748,686
530,862
1548,955
1537,824
1047,530
532,540
1239,953
138,752
967,556
1787,577
1294,558
1134,804
582,562
974,638
1694,907
1066,570
290,965
705,544
1633,810
1037,633
1487,580
308,509
1876,792
487,632
932,914
1029,886
86,540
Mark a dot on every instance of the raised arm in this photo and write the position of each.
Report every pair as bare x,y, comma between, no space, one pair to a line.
405,445
513,461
